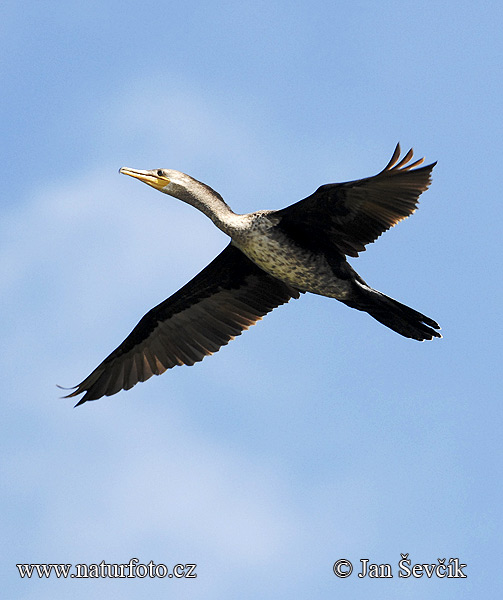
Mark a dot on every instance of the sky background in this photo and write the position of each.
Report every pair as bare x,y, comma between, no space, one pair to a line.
317,435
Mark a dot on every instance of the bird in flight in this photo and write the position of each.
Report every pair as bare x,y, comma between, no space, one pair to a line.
273,256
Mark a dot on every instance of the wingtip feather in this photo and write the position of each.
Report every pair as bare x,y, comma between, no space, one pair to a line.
394,158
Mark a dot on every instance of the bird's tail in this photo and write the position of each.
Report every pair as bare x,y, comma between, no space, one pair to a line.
395,315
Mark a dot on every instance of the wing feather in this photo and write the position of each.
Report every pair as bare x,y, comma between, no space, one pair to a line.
227,297
348,216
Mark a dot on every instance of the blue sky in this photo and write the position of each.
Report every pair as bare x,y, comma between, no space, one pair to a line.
317,435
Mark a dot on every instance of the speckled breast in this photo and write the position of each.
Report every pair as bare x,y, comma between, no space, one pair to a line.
272,251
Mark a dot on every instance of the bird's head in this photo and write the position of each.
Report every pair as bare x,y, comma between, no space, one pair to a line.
185,188
165,180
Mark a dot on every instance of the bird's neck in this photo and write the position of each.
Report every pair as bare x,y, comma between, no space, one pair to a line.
212,205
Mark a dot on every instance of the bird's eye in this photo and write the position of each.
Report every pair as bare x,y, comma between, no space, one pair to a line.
159,173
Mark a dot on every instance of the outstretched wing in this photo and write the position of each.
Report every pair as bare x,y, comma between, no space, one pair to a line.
228,296
353,214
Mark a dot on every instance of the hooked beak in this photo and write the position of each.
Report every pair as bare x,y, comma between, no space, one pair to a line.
149,177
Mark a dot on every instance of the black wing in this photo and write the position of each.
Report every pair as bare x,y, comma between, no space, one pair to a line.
228,296
350,215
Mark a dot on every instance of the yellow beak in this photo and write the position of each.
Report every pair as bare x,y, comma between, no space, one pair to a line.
149,177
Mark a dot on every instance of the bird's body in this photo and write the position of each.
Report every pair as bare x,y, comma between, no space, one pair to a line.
273,256
274,252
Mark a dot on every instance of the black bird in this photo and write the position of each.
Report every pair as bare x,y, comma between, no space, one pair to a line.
274,255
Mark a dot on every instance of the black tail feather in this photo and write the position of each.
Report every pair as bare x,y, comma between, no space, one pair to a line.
397,316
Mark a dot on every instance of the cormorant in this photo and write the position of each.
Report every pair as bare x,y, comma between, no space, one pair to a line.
273,256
